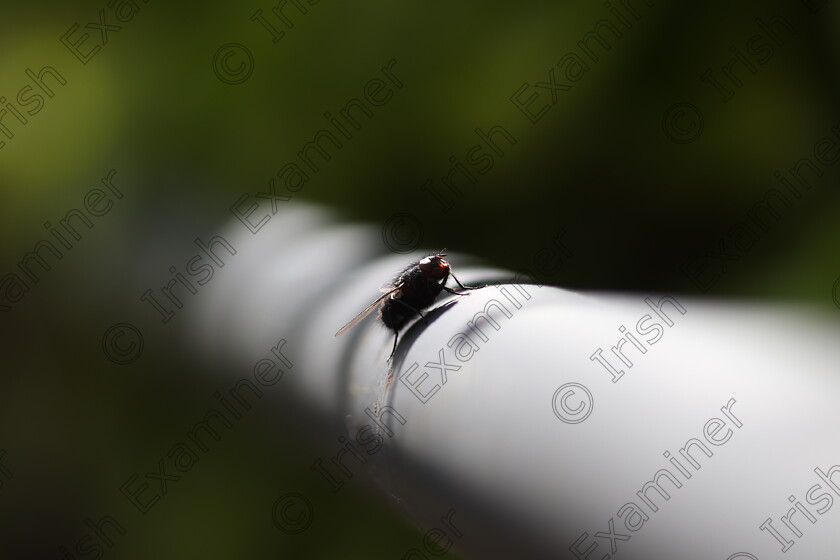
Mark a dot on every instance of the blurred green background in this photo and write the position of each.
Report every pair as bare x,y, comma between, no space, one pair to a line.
642,191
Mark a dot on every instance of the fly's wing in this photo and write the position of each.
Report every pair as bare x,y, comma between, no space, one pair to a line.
391,287
366,311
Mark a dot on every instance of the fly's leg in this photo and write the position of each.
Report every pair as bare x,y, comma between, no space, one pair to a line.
461,285
394,349
453,292
396,331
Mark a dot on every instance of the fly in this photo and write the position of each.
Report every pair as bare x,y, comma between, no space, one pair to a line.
413,290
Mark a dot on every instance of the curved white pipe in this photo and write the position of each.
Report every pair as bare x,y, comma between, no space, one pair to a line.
559,424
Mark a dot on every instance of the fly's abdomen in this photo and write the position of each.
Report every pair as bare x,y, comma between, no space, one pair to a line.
394,314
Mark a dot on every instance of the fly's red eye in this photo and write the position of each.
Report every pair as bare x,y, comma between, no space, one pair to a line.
434,267
428,265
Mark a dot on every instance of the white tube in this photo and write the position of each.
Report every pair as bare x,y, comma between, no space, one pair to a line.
556,428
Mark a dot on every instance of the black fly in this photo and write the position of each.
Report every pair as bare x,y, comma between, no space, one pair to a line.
414,289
